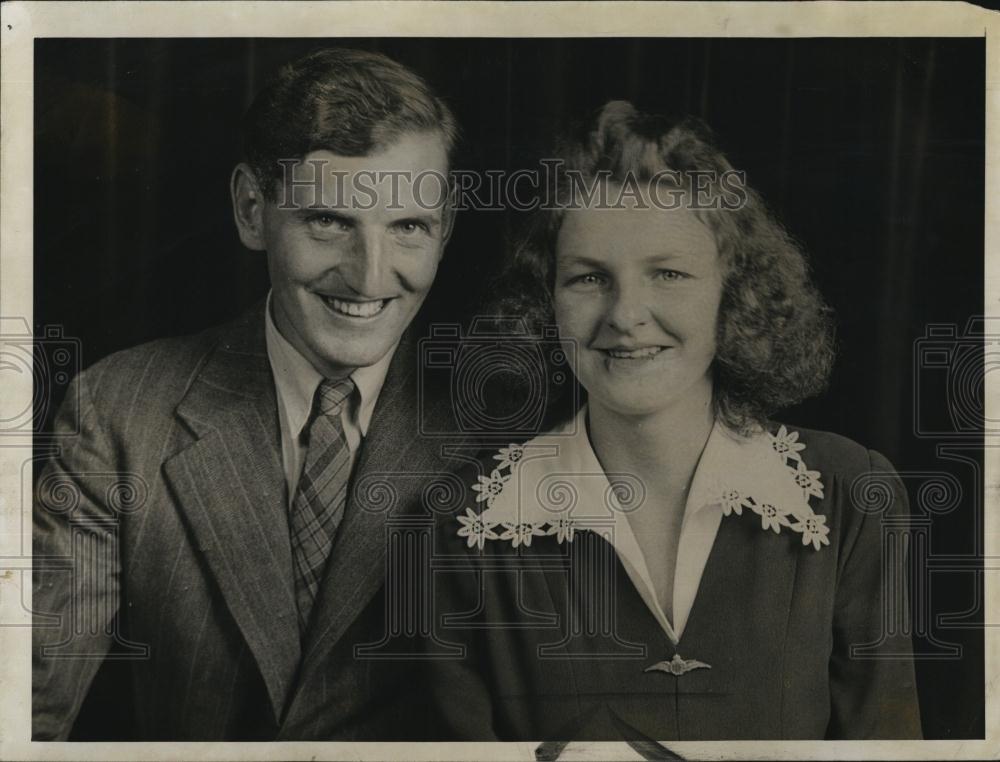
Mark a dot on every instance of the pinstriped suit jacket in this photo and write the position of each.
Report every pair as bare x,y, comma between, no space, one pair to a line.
166,515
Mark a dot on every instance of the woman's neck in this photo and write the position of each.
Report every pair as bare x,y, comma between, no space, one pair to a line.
664,445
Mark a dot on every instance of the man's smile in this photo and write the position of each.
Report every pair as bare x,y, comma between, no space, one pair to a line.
359,309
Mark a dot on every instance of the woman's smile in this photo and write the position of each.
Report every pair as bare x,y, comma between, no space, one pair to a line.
636,359
632,353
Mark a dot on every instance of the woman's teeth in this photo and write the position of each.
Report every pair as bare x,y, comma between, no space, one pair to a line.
633,354
355,309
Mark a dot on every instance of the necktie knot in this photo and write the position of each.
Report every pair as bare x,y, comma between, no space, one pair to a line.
332,395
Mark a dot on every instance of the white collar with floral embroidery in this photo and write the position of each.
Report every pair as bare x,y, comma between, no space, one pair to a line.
554,485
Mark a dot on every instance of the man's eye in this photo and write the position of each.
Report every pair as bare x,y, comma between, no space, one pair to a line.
409,227
328,221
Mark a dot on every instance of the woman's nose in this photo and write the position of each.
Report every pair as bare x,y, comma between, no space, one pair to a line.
627,309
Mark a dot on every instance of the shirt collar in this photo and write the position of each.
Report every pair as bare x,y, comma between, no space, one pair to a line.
748,465
296,380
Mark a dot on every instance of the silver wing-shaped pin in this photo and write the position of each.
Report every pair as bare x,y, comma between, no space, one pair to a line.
677,666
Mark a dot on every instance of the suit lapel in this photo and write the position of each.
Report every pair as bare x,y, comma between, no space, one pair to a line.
230,486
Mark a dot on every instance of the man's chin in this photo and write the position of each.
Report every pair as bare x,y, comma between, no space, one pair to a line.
352,358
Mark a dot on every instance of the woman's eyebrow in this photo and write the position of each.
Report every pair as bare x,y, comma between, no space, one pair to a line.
667,257
577,259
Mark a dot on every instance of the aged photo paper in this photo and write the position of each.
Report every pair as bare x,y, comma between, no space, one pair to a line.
869,129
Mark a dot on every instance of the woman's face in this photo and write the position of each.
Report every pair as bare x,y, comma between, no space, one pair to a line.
637,294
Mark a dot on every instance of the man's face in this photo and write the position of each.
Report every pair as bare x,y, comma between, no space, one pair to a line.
353,257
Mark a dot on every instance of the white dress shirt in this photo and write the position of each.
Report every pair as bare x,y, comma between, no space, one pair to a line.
295,381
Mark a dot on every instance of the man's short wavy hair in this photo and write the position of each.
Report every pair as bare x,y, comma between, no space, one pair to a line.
349,102
774,345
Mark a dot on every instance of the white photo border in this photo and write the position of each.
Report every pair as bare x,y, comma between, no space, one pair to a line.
23,22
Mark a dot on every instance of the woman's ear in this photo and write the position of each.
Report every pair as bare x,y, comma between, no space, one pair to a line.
248,207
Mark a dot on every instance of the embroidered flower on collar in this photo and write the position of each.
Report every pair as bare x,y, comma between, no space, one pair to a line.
786,443
814,530
732,501
562,529
509,456
489,487
771,517
476,528
521,533
808,480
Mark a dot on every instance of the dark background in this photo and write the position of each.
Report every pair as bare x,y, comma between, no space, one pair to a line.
871,151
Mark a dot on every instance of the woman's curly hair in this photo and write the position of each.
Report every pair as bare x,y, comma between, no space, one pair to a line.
774,343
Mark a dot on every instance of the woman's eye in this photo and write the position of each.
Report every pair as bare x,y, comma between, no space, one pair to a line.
588,279
670,275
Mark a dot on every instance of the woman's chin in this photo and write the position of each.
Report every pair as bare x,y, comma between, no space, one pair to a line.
660,395
631,405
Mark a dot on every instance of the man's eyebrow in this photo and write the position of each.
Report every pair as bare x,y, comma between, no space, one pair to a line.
342,210
339,213
427,219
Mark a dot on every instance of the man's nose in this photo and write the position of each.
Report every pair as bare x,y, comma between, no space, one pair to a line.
363,270
627,308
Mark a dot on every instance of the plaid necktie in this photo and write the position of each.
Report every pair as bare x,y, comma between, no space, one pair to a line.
318,506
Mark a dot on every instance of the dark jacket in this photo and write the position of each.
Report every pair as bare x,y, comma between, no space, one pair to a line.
166,512
801,644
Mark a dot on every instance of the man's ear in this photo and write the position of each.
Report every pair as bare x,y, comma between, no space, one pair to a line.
248,207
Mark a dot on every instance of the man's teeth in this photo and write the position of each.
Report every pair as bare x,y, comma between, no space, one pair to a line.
355,309
633,354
